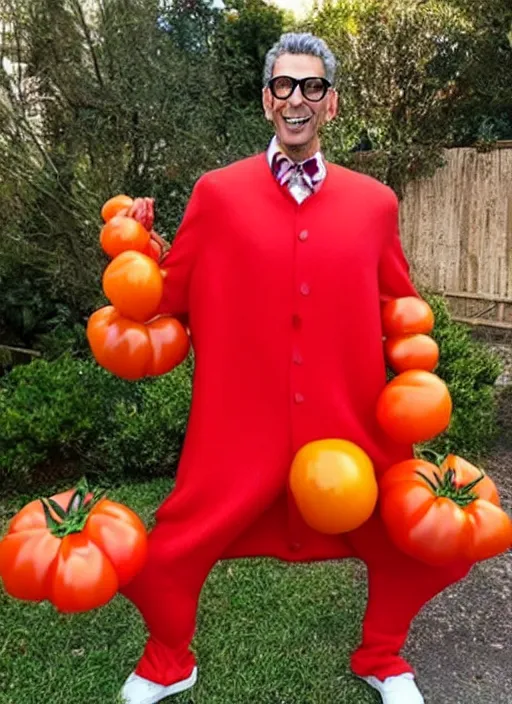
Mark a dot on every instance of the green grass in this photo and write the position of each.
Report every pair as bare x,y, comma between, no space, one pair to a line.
268,633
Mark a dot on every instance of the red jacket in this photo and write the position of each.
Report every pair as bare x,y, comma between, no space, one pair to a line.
284,306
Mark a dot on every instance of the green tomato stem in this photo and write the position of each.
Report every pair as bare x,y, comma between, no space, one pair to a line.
445,486
74,518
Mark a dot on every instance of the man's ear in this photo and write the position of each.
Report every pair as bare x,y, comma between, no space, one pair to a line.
266,98
332,105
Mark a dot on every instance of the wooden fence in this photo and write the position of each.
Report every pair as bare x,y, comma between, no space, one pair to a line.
457,233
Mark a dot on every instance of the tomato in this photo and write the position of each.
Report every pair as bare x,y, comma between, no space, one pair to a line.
132,350
170,345
114,205
407,316
334,485
120,345
153,250
411,352
465,473
133,283
75,550
121,233
414,406
440,515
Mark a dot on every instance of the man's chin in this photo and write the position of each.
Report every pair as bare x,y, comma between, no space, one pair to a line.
296,144
295,140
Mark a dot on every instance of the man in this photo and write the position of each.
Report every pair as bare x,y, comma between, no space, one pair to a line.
279,268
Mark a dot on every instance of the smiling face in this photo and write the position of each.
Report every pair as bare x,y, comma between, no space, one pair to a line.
297,120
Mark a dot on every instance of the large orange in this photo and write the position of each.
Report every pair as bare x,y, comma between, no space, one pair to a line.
333,483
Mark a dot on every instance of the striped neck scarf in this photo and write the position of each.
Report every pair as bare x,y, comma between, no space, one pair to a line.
310,173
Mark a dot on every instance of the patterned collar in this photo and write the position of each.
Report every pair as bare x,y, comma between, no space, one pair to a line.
274,148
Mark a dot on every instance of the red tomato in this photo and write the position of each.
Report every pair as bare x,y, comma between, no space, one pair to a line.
114,205
132,350
133,283
170,345
122,346
411,352
436,516
77,555
121,233
407,316
414,406
465,473
334,485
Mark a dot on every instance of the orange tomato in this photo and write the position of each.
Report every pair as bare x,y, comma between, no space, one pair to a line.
414,406
407,316
333,483
132,350
119,345
121,233
133,283
170,345
114,205
411,352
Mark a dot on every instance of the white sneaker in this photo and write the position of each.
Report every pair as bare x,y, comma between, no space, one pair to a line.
137,690
400,689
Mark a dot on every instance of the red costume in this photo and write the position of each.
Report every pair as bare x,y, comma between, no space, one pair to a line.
283,302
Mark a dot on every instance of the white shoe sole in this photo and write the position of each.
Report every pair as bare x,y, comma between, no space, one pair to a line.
169,691
386,694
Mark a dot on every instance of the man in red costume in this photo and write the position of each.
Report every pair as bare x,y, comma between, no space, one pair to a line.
280,267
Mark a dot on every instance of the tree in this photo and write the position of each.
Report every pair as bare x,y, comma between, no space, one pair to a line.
408,81
125,99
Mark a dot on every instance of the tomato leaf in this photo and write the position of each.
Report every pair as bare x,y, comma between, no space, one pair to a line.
57,508
52,524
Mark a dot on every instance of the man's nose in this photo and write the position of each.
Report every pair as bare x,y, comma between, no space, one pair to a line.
296,98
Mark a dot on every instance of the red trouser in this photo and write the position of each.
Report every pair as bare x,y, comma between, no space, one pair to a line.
183,550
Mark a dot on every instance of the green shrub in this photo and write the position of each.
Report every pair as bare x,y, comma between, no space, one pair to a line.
72,411
470,370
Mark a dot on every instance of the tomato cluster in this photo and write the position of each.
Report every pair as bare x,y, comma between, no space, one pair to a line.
416,405
129,338
75,550
435,514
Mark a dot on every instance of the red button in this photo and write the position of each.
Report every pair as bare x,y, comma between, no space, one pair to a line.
304,289
298,398
303,235
297,359
296,321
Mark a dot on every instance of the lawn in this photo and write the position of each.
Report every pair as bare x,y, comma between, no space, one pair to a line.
269,633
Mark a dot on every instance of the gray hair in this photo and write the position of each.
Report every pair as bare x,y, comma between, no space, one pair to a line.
294,43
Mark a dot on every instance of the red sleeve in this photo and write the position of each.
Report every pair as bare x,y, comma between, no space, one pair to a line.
394,279
179,261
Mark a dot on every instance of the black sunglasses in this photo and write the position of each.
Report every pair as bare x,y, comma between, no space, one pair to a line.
312,88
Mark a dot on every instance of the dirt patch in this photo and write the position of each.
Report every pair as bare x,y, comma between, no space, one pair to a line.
461,643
